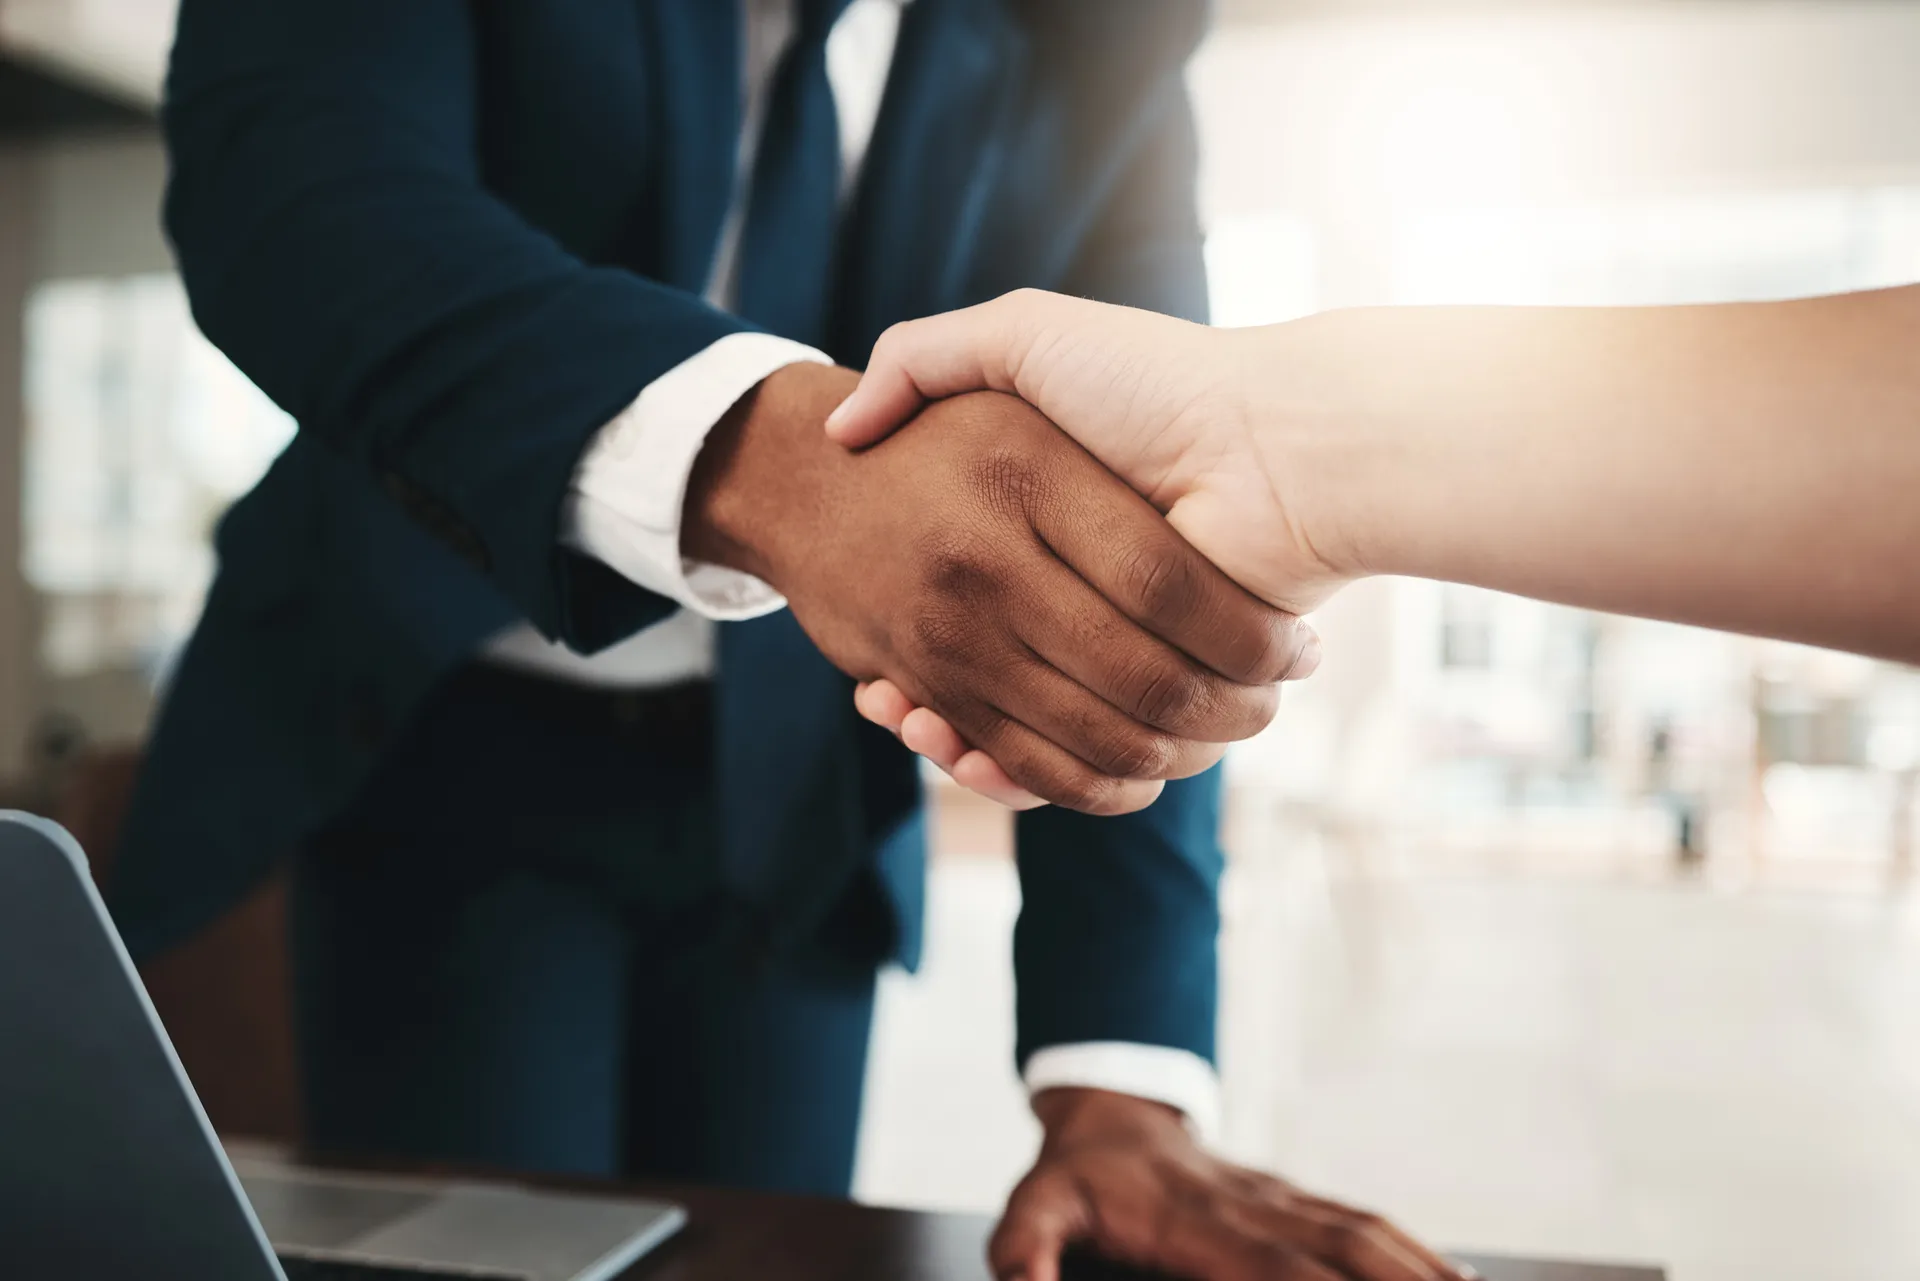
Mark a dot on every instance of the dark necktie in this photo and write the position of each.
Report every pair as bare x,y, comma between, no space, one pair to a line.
791,232
788,754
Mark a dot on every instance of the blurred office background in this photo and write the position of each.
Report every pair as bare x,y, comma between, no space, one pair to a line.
1547,931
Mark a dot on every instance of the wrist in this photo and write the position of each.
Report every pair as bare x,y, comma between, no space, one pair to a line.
1069,1112
758,469
1323,405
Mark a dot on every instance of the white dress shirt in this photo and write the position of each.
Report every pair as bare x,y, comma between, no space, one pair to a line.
631,486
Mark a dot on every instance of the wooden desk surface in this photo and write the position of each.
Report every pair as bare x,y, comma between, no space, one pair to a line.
755,1236
732,1236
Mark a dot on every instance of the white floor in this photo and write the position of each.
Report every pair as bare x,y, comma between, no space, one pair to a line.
1728,1083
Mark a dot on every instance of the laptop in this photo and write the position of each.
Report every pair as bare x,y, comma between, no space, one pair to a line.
109,1169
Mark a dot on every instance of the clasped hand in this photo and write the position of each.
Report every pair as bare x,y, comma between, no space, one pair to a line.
1158,400
993,572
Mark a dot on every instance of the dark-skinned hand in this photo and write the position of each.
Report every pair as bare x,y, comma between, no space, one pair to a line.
1123,1178
995,573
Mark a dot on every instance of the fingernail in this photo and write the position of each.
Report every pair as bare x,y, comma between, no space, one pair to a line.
1308,660
839,415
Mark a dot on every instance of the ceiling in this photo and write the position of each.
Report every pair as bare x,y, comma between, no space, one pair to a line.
81,63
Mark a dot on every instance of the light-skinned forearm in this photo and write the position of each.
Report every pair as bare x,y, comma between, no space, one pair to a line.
1748,467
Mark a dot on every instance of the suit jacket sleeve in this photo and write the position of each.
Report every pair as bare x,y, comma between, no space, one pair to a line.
1118,931
336,240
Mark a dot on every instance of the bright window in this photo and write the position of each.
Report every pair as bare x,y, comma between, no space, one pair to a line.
139,434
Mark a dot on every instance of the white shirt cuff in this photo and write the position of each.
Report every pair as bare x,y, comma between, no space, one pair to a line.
1178,1078
631,486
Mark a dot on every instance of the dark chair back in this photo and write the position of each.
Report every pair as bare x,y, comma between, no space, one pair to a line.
224,996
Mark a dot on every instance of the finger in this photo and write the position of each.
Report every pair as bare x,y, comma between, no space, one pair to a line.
927,732
978,349
1307,661
1377,1237
1037,762
978,772
1198,1233
1232,1223
1082,722
882,703
1229,1256
944,766
1125,549
1043,1217
1357,1245
1088,639
1093,737
1044,768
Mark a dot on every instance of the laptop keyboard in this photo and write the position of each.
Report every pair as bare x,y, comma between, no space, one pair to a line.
299,1268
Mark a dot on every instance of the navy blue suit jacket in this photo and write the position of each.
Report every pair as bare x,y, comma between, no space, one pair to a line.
453,238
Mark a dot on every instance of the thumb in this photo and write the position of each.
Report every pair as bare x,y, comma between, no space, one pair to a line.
1044,1216
977,349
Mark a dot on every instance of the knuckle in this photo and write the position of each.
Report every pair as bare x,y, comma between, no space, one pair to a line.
1027,304
1136,754
1275,641
1010,1242
960,568
1193,759
1087,792
941,633
1259,1188
1266,1256
985,727
1284,1264
1161,585
1126,796
891,339
1352,1240
1249,709
1006,479
1164,693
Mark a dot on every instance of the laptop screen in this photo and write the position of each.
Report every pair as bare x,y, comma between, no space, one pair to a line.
108,1168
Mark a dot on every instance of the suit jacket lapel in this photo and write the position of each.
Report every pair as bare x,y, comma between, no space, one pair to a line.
697,55
916,221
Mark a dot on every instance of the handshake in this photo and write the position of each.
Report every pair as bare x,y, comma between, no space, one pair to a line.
1046,625
1079,570
1076,615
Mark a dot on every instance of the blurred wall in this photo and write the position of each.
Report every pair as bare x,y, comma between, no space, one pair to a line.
1344,122
68,208
16,627
116,47
95,208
